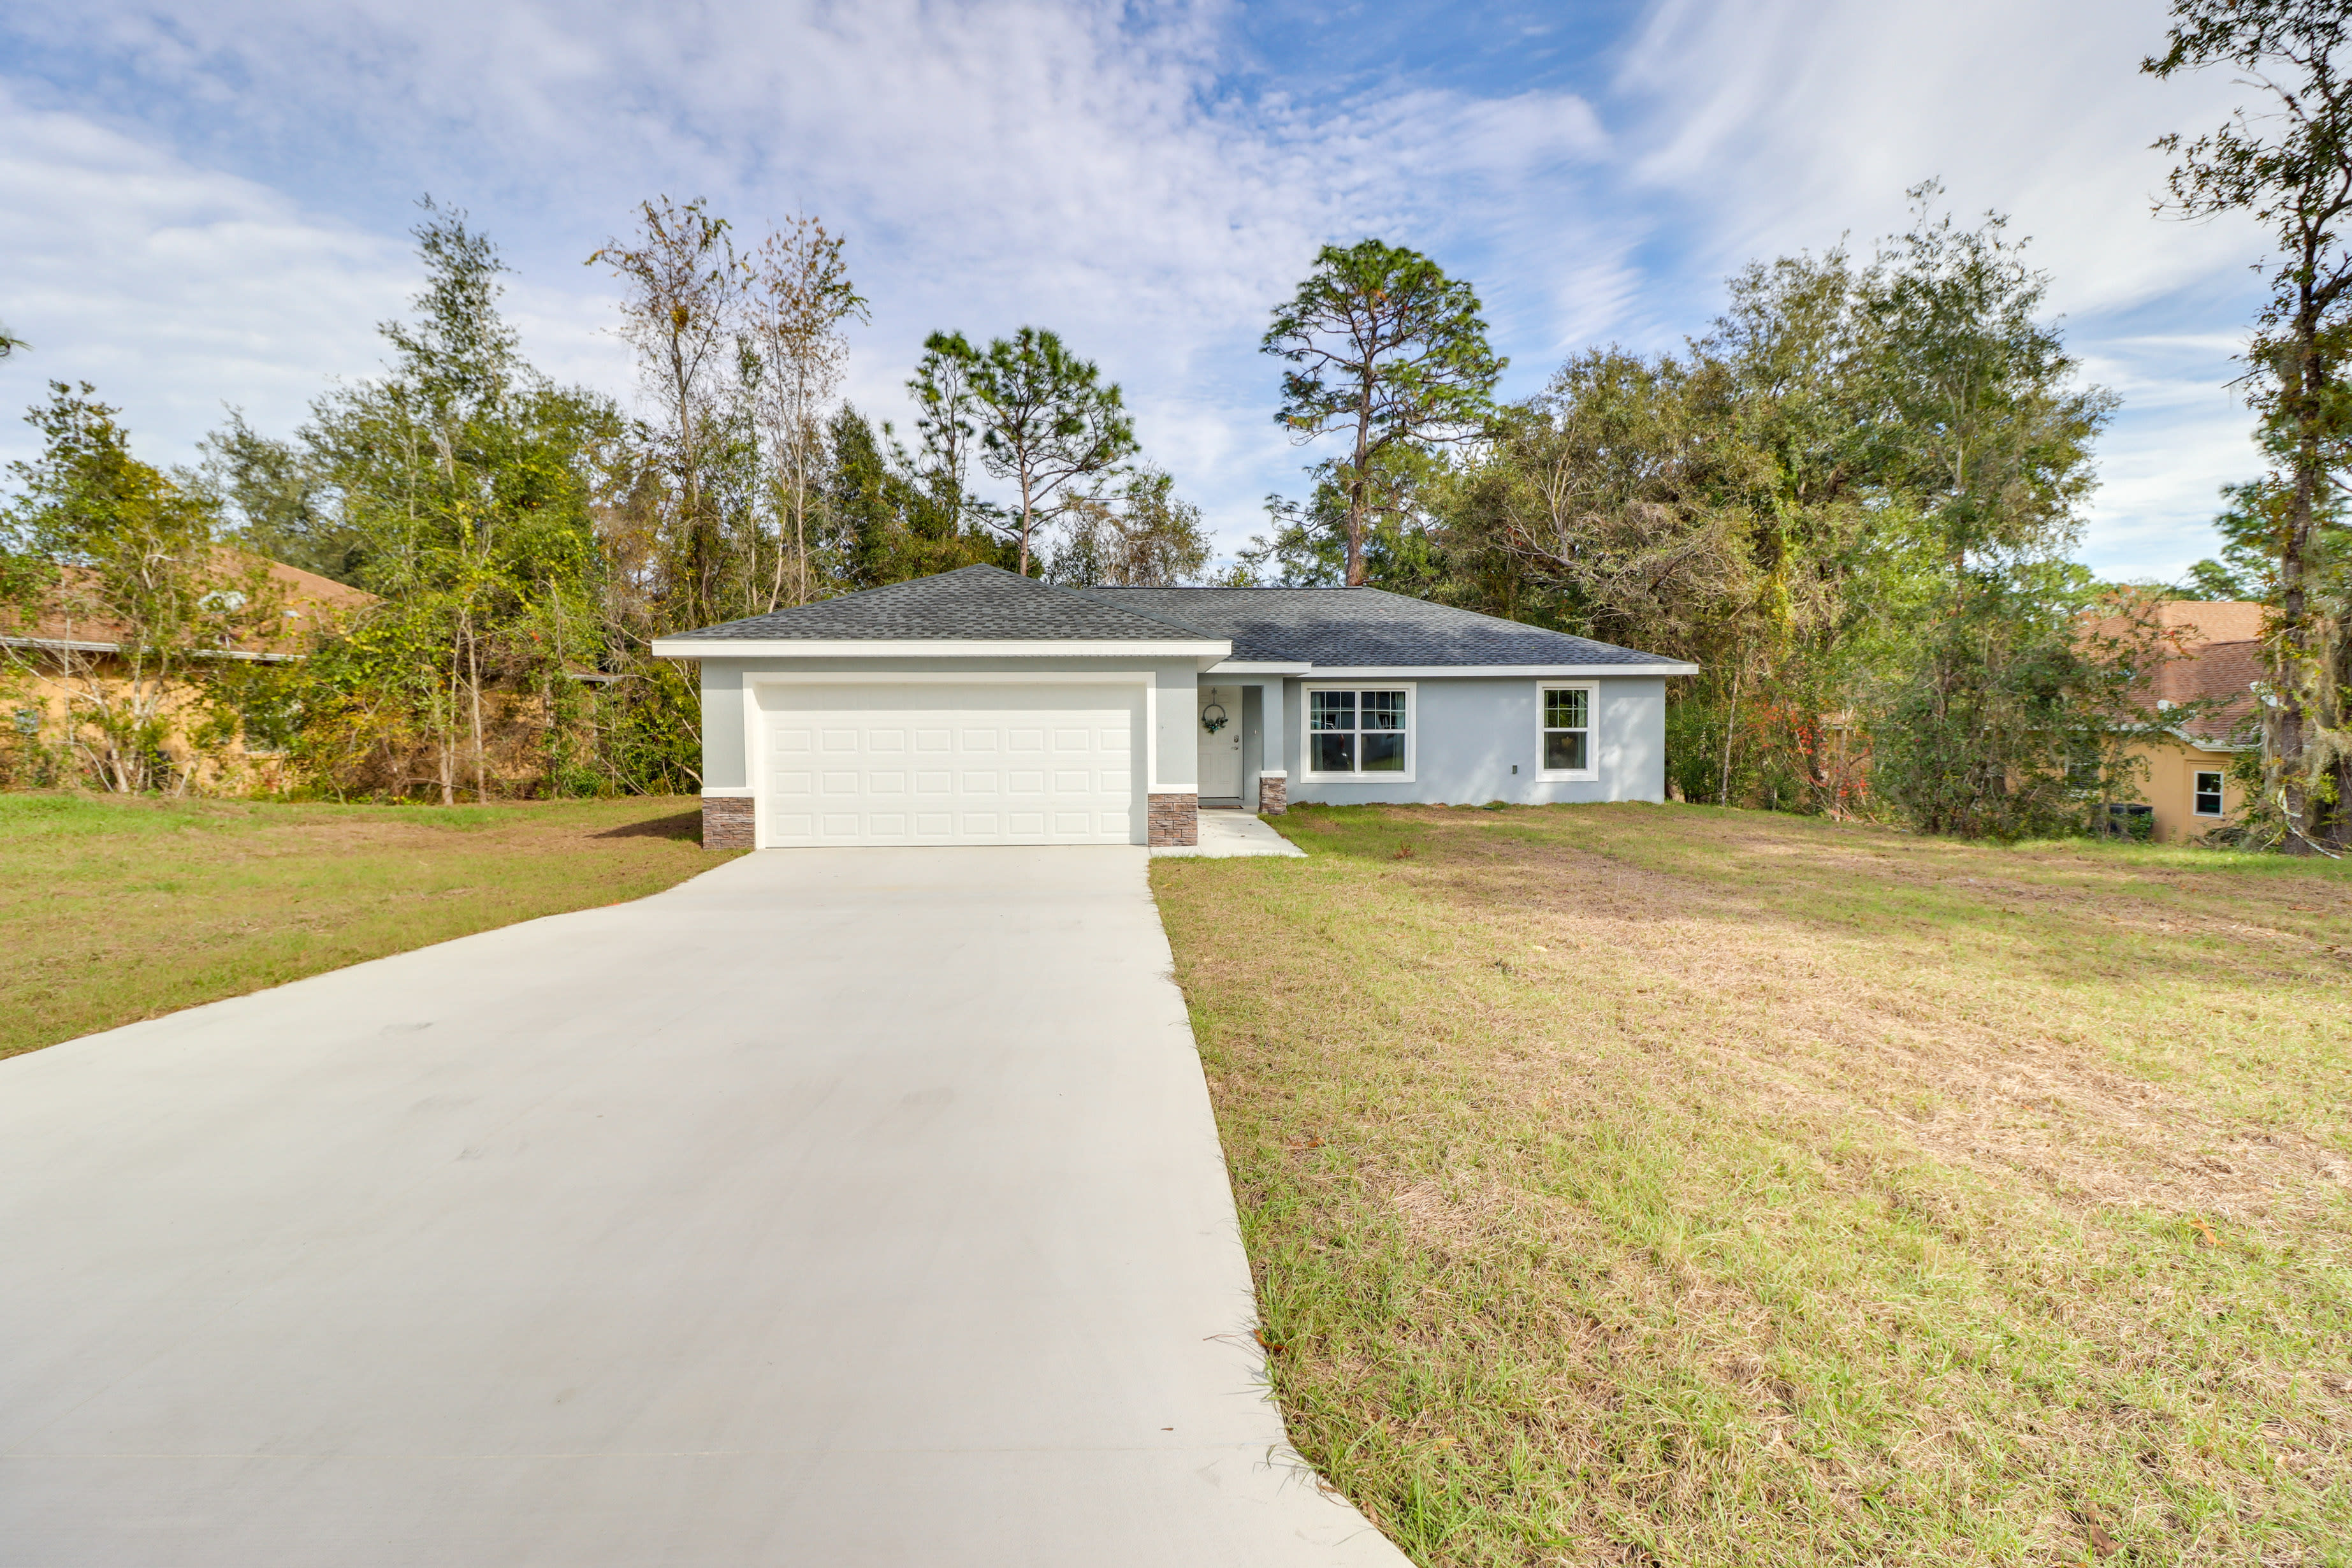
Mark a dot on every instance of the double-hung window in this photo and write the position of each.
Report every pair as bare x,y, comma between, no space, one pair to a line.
2207,792
1361,730
1567,737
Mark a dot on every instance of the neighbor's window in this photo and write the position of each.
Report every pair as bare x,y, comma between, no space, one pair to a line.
1356,731
2208,794
2086,770
1566,729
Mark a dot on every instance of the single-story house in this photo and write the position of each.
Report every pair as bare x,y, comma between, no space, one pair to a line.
978,707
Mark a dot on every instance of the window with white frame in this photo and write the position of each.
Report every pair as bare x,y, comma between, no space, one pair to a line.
1567,738
2207,785
1364,730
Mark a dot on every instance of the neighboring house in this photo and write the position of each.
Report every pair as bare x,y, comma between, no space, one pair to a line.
2188,784
978,707
309,601
58,665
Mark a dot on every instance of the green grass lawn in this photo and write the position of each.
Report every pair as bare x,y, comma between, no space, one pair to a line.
114,910
1668,1186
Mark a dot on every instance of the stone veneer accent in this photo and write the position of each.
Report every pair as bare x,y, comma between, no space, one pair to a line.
1272,795
727,821
1175,819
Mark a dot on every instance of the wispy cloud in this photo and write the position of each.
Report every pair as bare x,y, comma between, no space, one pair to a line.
174,286
212,194
1778,127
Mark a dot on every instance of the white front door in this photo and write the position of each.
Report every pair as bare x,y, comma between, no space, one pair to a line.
1221,742
948,762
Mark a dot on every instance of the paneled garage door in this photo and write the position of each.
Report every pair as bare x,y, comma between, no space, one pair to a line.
951,763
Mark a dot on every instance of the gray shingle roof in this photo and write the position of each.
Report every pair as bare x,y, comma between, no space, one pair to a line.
1330,627
975,602
1342,627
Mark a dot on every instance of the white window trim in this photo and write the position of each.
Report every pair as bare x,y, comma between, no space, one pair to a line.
2223,792
1307,774
1591,773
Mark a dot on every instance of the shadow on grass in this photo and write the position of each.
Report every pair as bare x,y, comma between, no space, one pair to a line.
686,828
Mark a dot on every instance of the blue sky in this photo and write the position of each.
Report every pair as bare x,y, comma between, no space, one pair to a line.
207,203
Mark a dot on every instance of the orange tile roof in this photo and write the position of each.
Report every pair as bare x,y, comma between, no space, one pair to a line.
2223,672
311,601
2206,651
2202,621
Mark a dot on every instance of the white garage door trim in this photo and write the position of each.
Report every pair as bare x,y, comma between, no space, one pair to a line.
969,797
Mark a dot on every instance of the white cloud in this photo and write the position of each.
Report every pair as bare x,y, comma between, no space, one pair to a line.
1086,165
1790,124
992,164
2162,470
172,288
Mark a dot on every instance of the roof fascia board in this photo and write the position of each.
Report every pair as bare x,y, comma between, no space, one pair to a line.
940,647
1440,672
1260,667
67,645
2186,739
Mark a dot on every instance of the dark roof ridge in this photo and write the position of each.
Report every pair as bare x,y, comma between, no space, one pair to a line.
1375,627
1087,594
978,601
1247,588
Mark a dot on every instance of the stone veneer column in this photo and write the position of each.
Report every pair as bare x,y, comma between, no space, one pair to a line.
1273,794
727,821
1175,819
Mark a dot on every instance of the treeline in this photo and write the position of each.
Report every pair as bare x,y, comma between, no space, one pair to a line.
529,541
1854,503
1851,503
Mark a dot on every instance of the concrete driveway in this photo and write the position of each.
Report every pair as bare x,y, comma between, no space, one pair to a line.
837,1207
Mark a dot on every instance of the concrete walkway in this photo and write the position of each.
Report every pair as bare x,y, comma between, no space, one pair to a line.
1227,833
835,1208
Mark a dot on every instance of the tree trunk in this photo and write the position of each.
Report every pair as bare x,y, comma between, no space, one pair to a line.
2285,729
1359,488
449,735
474,685
1730,729
1025,525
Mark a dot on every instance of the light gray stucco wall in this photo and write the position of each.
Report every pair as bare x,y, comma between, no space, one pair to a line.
1254,707
1471,730
724,763
725,724
1178,768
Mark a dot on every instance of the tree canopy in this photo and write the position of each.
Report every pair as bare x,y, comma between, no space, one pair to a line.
2288,165
1383,347
1851,501
1047,422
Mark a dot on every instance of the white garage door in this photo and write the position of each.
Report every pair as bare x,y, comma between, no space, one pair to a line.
949,763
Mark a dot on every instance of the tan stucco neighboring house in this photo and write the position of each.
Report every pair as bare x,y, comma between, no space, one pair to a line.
2201,702
54,663
309,601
